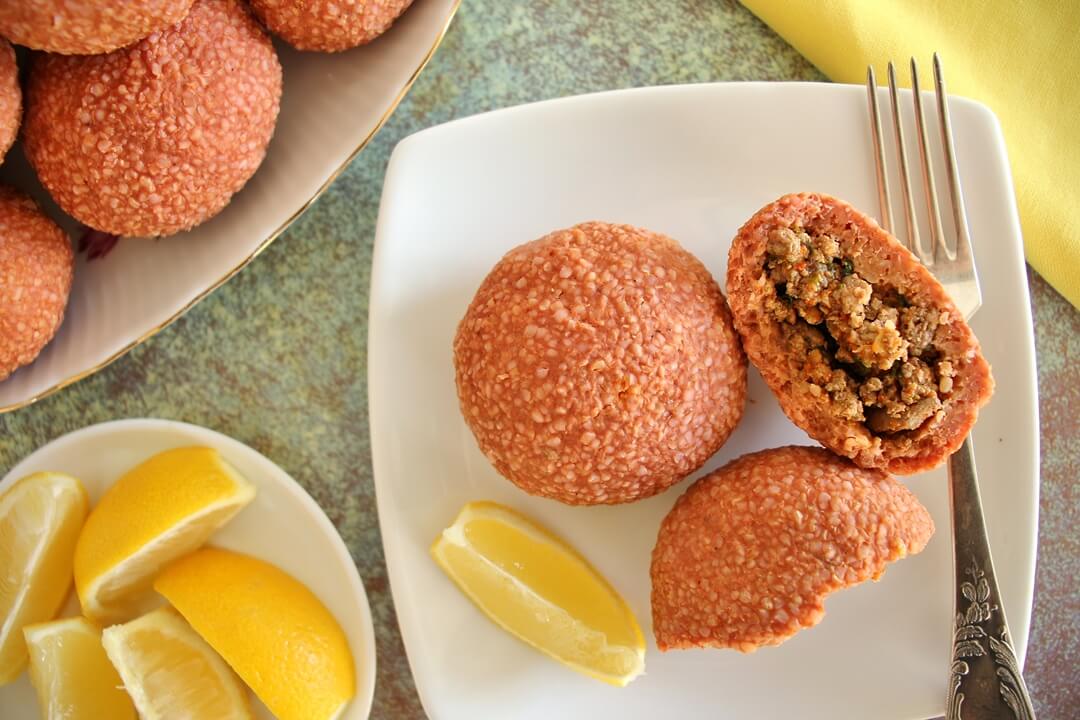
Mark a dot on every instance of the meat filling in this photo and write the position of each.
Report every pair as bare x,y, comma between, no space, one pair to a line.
869,352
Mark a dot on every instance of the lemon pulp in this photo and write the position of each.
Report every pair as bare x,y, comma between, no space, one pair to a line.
73,678
40,519
541,590
171,673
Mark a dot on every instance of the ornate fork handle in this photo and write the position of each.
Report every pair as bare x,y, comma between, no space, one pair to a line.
985,682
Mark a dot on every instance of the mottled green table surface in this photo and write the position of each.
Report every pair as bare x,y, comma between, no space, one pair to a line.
277,357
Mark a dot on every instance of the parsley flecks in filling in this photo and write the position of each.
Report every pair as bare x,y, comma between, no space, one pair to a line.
868,350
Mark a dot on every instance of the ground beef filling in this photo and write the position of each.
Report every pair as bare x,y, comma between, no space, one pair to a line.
866,349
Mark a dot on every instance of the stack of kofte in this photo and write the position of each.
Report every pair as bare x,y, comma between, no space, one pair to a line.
141,119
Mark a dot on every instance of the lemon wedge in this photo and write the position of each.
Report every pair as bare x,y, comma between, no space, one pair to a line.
73,677
171,673
40,519
269,627
162,509
541,590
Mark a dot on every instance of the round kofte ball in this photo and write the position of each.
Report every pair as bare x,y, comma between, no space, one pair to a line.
86,27
10,98
599,364
36,266
157,137
328,25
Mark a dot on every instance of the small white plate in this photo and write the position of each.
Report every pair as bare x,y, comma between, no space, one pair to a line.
282,525
693,162
332,104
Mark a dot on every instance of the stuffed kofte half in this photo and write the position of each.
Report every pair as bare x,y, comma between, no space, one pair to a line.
860,343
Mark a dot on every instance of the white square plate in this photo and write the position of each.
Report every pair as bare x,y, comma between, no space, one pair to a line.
693,162
332,104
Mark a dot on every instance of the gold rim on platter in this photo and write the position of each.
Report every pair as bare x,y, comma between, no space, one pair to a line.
263,245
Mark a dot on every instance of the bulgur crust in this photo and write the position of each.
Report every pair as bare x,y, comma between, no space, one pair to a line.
862,346
749,552
36,265
328,25
157,137
10,98
86,27
598,364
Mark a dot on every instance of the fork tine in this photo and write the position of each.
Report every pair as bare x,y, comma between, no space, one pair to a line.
929,186
963,238
954,266
914,243
884,200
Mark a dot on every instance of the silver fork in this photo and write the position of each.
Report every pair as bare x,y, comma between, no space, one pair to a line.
985,682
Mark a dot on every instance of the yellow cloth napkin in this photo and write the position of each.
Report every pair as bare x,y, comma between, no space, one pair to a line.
1021,59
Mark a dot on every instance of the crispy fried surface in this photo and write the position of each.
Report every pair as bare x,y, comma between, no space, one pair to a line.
157,137
36,265
748,554
328,25
86,27
10,98
598,364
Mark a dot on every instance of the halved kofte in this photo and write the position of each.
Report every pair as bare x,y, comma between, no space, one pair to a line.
748,555
860,343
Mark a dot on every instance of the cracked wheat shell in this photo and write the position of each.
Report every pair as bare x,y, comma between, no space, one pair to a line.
328,25
598,364
86,27
10,98
749,553
36,269
156,138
